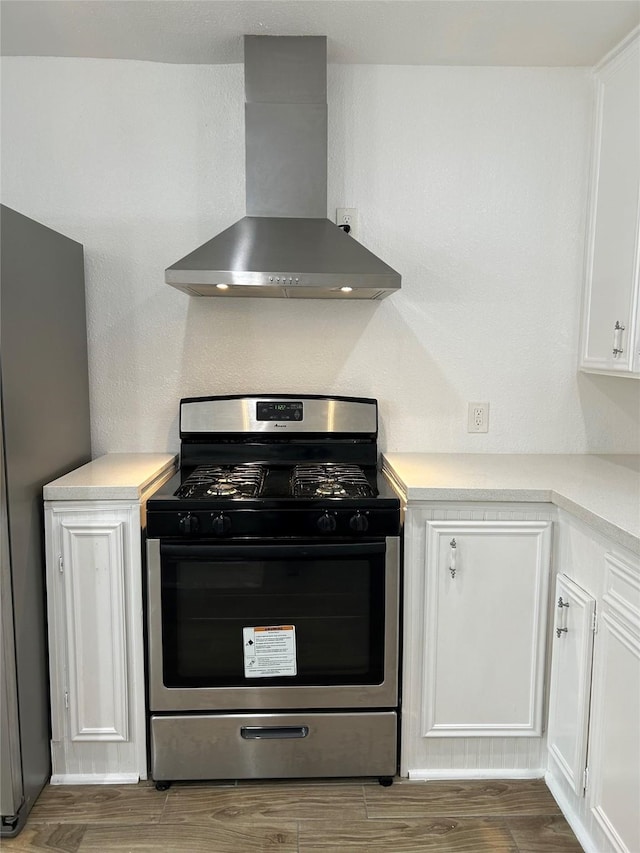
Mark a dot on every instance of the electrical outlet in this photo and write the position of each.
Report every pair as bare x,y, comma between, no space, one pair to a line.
478,417
348,216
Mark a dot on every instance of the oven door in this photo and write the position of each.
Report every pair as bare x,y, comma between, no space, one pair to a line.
273,625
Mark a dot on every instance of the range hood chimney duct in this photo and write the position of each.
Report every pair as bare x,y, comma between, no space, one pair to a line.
285,246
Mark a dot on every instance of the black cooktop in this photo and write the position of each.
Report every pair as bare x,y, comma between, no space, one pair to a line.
276,466
182,507
252,480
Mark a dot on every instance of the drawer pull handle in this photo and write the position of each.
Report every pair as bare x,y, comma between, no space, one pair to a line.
273,732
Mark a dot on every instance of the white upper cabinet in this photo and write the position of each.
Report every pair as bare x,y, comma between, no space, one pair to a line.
610,339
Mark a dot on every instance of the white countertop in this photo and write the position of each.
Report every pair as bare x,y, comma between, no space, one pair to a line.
116,476
603,491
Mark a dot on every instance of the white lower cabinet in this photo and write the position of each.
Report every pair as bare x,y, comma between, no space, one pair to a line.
594,693
614,762
94,578
486,597
570,683
476,595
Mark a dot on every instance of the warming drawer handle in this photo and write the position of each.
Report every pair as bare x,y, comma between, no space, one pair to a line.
273,732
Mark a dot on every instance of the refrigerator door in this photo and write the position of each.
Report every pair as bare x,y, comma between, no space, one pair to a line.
45,425
11,793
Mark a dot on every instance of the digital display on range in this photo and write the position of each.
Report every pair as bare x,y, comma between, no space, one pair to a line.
281,411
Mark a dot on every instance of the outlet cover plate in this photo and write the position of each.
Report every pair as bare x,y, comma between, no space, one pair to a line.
478,417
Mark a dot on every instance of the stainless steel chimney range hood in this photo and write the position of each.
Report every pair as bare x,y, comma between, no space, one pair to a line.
285,246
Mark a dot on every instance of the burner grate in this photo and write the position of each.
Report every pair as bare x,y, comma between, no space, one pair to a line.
330,481
223,481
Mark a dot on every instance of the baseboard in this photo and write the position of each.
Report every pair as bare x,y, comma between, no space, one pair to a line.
95,779
477,773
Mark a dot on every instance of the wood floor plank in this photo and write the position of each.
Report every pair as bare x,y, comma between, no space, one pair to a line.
460,798
98,804
551,834
213,837
475,835
56,838
264,802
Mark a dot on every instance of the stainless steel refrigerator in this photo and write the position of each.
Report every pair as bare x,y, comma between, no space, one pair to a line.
44,397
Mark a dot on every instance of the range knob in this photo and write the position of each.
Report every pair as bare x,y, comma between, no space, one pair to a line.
189,524
327,523
220,524
359,523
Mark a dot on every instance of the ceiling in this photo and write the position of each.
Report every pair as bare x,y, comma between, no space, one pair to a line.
404,32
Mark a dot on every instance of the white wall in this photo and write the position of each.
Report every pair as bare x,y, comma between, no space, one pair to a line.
470,181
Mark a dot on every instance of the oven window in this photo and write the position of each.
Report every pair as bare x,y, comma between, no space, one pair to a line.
335,603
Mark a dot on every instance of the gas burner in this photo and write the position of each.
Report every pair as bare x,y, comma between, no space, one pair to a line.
330,480
223,481
223,488
331,489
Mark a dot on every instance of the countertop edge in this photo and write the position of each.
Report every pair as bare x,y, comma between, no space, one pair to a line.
605,526
67,487
602,525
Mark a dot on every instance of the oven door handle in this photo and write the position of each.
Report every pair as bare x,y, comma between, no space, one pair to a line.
273,732
194,551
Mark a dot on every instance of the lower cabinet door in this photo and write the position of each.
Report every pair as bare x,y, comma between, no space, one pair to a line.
570,687
95,639
614,763
485,636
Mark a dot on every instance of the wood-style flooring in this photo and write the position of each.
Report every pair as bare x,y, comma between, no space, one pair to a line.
298,817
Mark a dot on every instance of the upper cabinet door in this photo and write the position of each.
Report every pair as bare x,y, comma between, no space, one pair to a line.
610,325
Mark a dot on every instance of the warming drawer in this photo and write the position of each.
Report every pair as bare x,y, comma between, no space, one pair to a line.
269,746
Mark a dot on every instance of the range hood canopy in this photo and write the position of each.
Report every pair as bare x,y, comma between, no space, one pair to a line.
285,246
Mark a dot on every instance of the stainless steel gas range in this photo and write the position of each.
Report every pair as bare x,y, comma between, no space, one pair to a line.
273,594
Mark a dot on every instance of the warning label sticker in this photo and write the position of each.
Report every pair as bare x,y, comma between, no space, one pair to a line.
269,650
